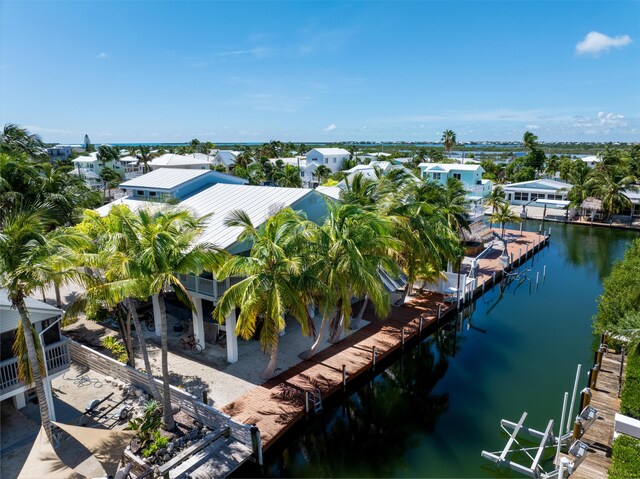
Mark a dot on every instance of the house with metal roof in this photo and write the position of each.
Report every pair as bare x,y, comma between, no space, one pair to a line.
215,194
551,192
45,318
173,160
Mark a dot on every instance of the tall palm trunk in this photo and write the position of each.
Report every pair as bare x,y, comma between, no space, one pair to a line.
164,344
34,365
405,294
271,367
143,350
355,324
336,328
56,287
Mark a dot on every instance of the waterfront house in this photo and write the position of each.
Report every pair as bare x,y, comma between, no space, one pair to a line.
545,190
591,161
218,194
469,174
332,158
44,317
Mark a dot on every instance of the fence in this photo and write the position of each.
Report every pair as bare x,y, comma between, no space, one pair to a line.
205,414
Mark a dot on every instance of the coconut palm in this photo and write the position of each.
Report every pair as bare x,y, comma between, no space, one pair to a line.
322,173
529,141
144,155
609,185
449,139
495,198
26,254
107,154
14,139
503,215
113,251
168,247
269,289
344,260
580,177
454,205
288,177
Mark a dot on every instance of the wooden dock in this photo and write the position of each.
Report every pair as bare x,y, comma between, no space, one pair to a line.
599,437
279,403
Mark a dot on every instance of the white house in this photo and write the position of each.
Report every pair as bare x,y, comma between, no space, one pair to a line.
332,158
59,152
542,189
591,161
217,194
369,171
88,168
307,170
226,158
44,317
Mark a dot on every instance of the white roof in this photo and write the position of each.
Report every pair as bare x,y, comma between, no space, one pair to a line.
591,159
228,157
164,178
541,184
383,165
38,311
330,191
171,159
448,167
87,158
128,159
259,202
330,151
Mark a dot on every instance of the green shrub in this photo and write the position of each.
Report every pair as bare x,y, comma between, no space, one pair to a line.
630,397
158,443
117,348
148,425
626,458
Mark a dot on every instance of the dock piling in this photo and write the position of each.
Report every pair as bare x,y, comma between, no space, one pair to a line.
537,278
520,229
544,271
540,229
344,376
421,319
306,402
402,337
373,353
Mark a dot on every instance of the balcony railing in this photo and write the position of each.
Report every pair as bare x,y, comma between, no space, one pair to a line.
58,359
207,287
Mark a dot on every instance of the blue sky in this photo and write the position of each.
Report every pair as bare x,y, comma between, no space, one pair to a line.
321,71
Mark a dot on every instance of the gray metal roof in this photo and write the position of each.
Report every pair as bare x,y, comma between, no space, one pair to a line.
164,178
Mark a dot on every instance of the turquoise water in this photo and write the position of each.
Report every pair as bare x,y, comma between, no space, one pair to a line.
438,405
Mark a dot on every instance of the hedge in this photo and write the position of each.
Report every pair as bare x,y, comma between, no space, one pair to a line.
630,397
626,458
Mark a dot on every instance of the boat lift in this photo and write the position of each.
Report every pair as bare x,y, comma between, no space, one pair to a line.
576,449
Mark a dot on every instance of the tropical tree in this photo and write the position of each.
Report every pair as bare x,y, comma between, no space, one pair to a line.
288,177
495,198
579,175
449,139
344,259
14,139
322,173
503,215
107,154
144,155
26,255
269,289
110,179
610,185
168,246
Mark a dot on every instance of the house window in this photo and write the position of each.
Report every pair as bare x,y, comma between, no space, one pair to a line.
457,176
436,176
335,159
519,196
140,192
152,193
326,161
535,196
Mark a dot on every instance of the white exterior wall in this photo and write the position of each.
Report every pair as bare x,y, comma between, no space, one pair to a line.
524,195
335,162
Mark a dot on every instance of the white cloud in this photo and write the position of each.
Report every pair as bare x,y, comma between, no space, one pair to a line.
331,127
102,55
602,123
533,127
596,42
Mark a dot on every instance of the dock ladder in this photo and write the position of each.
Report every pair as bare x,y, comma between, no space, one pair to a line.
316,398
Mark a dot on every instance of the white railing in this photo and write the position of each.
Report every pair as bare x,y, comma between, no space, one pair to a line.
208,287
58,359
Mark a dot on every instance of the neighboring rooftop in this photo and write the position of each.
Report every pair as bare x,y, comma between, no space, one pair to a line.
38,311
330,151
164,178
175,160
330,191
448,167
541,184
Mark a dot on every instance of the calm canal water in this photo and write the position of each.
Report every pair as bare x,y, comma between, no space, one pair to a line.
437,406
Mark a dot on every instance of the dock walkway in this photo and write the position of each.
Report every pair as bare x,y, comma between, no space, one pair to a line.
599,437
279,403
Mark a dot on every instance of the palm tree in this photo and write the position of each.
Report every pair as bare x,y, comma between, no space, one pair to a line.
529,141
449,139
322,173
288,177
167,247
26,254
113,252
454,205
14,139
495,198
503,215
269,289
580,177
144,155
106,154
609,185
344,260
